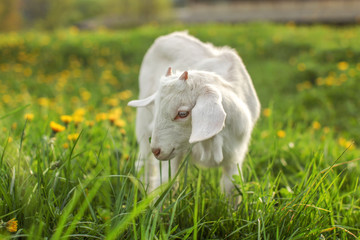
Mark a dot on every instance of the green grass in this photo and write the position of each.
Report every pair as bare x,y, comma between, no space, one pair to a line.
301,176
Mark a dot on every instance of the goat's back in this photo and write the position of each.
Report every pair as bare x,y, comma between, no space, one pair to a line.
183,52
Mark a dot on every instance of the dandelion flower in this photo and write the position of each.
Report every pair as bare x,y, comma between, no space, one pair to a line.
66,119
85,95
29,116
346,143
112,102
90,123
12,225
45,102
326,130
80,112
281,133
343,66
101,117
78,119
27,72
56,127
125,95
316,125
112,118
267,112
122,131
73,136
120,123
6,98
301,67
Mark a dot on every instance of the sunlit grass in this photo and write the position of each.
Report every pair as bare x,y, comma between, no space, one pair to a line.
67,142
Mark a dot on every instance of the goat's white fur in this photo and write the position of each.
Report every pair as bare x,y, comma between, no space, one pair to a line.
217,91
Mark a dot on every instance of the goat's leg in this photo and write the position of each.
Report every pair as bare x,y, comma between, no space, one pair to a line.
227,184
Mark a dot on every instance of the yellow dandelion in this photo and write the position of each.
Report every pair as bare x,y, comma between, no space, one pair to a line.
66,119
330,80
123,131
12,225
281,133
65,145
125,95
101,117
301,67
78,119
350,145
316,125
73,136
85,95
326,130
29,116
117,111
6,98
120,123
56,127
346,143
341,141
80,112
90,123
13,126
343,66
267,112
10,139
27,72
45,102
112,118
112,102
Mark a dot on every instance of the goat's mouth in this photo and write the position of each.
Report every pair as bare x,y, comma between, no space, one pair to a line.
169,156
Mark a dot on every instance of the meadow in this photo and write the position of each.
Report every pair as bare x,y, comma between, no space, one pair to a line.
67,141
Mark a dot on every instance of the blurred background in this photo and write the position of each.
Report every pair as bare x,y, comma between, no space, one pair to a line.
69,67
92,14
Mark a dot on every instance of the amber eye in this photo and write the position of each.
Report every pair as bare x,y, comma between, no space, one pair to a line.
182,114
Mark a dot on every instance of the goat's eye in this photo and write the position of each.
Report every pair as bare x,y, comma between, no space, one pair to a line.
182,114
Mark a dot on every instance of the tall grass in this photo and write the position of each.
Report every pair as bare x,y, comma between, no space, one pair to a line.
300,178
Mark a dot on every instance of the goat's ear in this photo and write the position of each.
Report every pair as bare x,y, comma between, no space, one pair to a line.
143,102
184,76
168,72
208,117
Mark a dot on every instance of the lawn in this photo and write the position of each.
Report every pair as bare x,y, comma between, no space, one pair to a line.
67,142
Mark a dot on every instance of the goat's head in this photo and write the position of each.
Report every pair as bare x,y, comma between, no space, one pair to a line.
187,110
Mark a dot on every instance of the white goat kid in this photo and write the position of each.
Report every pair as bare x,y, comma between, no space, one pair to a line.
211,108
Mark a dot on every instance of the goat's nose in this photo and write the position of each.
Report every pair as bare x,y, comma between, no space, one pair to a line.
156,151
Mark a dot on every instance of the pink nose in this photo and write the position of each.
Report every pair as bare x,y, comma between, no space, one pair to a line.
156,151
